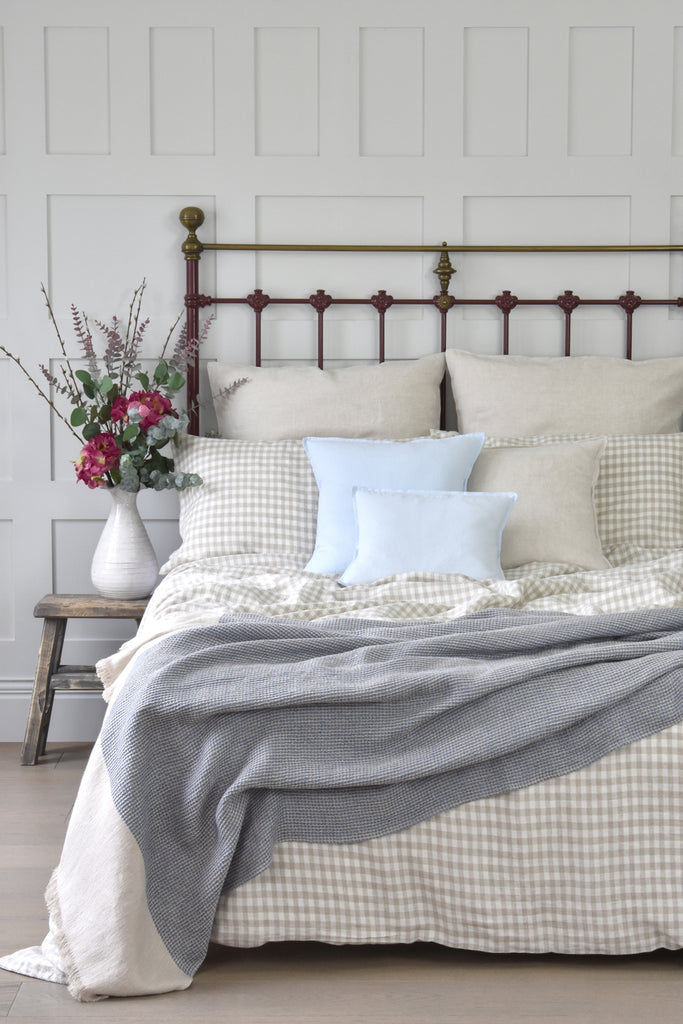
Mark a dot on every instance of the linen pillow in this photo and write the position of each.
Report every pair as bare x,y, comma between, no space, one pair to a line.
340,464
392,399
531,395
554,519
427,531
638,493
256,498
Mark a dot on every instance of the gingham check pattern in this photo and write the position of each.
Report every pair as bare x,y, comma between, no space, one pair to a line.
590,862
257,497
261,498
209,588
639,490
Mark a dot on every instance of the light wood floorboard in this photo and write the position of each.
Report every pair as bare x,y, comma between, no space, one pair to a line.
305,983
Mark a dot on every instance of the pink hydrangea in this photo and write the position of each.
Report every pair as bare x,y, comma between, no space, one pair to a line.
119,409
97,457
151,406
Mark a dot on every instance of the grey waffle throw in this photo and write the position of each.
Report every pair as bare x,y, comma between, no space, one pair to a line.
229,738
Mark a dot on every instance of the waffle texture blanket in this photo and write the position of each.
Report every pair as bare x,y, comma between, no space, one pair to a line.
227,739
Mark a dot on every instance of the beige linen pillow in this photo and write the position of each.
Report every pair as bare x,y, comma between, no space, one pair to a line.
525,395
639,491
554,518
384,400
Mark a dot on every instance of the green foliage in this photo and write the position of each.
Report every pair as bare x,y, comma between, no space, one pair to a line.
123,425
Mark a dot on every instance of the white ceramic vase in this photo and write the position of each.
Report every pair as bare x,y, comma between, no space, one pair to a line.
124,564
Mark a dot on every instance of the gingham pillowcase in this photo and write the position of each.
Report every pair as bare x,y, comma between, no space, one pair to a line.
639,491
257,497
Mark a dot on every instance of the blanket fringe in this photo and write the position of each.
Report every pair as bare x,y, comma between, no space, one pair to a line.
75,985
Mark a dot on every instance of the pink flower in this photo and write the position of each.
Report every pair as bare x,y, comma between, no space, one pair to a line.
119,409
151,406
97,457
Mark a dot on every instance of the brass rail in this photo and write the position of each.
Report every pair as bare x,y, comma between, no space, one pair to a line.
192,217
276,247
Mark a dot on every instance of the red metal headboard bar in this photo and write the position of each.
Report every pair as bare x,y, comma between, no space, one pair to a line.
192,218
629,335
382,302
192,281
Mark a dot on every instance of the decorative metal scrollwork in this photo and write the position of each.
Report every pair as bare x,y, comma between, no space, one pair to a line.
258,300
444,270
444,301
568,301
197,301
506,302
630,301
320,301
381,301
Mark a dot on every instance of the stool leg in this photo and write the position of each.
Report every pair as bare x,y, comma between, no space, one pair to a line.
41,702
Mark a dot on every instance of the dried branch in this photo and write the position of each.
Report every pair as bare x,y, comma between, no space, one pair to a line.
62,346
36,385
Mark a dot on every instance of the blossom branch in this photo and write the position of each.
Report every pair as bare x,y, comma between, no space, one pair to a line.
170,334
40,391
62,346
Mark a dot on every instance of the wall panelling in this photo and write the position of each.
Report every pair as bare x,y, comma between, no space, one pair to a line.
396,121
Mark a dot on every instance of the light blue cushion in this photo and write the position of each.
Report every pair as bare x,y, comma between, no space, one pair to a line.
340,464
428,531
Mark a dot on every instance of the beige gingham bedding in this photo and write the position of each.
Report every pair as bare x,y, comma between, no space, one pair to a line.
588,863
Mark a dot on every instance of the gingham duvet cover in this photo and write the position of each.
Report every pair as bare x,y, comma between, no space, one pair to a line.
591,862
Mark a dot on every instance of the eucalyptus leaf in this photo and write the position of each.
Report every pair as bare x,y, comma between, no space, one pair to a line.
131,432
161,372
78,417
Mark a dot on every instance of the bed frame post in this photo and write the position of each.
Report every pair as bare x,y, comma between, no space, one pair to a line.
443,302
191,217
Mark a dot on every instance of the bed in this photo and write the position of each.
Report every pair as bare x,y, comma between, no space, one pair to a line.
405,679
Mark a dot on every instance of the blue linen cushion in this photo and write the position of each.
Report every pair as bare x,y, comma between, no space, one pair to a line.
428,531
340,464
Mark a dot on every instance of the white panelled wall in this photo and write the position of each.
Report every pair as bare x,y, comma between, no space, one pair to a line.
395,121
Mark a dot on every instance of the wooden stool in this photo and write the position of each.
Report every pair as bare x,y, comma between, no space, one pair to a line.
51,675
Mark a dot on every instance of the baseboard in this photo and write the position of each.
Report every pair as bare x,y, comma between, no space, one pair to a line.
76,717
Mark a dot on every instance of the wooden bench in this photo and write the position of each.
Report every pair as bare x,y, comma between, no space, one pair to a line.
51,675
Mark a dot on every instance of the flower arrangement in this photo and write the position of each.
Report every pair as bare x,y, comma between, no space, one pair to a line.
124,415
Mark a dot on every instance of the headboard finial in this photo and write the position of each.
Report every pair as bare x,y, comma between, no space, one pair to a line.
191,217
445,269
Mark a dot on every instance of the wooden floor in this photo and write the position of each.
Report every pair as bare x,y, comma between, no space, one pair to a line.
303,983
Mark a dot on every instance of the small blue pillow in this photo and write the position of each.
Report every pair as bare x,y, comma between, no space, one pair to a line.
428,531
340,464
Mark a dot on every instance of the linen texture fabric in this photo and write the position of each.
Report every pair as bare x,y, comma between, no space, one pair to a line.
529,395
417,718
385,400
638,492
427,531
523,881
257,497
554,518
340,464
